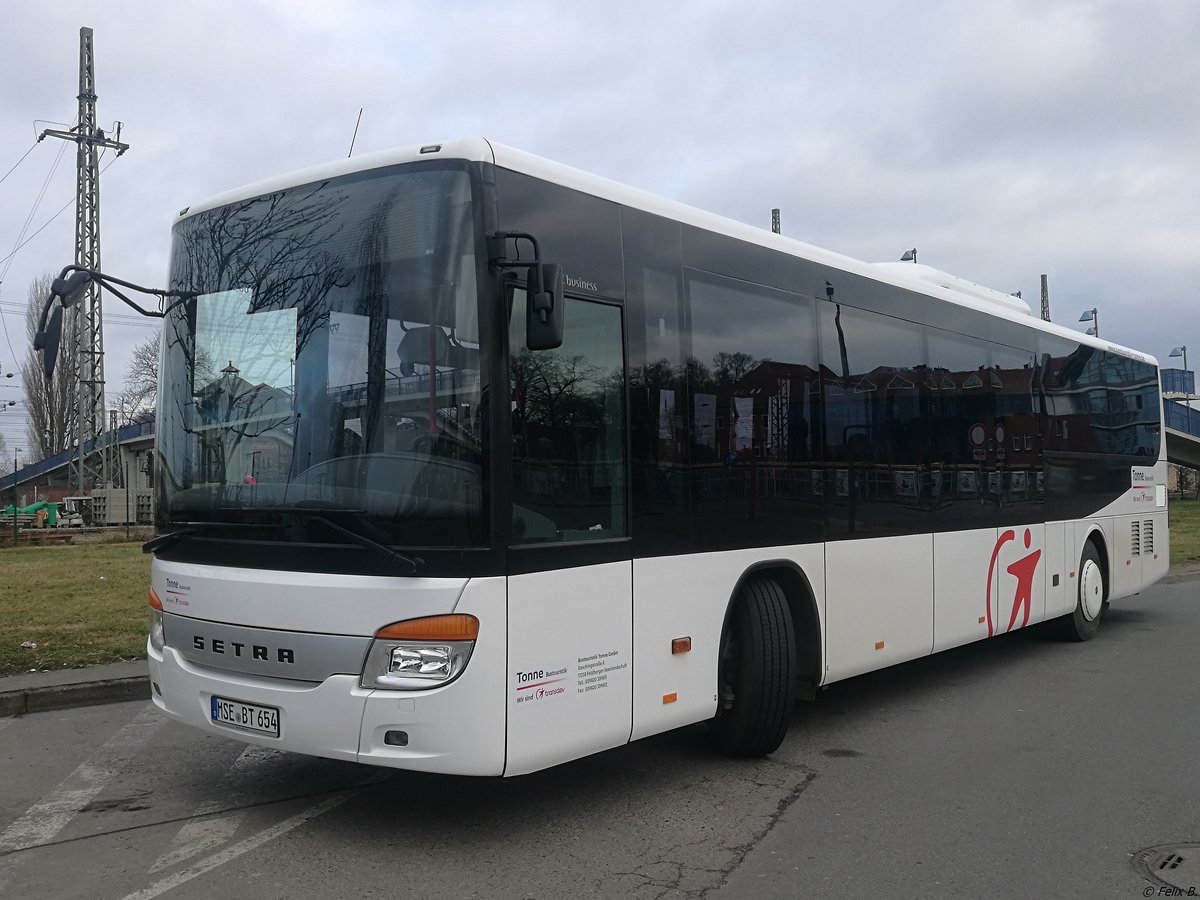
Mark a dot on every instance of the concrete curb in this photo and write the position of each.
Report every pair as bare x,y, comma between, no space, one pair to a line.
40,691
67,696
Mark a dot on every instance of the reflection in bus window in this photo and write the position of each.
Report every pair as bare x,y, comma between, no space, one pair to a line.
568,419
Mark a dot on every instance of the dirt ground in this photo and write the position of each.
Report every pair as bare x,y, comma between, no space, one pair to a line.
1186,570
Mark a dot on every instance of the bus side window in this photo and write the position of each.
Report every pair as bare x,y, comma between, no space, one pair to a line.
568,415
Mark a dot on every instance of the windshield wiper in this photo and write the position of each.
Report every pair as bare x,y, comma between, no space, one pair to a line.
187,529
319,515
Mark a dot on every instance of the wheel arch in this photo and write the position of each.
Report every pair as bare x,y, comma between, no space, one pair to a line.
806,619
1095,536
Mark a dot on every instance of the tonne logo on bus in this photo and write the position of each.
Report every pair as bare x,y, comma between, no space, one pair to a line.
539,684
1022,570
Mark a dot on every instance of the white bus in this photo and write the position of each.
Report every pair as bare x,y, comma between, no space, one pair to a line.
469,462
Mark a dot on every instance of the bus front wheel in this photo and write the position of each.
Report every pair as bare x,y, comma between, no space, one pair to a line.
757,671
1091,599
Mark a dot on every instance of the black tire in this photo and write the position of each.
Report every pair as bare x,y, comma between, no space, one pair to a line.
1091,599
757,671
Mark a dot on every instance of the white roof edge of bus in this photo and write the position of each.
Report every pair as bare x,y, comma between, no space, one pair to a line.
475,149
930,275
915,277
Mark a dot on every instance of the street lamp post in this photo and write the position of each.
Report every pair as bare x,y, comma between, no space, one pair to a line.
1182,351
1092,315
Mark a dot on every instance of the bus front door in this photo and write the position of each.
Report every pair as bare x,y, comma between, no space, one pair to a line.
570,645
570,597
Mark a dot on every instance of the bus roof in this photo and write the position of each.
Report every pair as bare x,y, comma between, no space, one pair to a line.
909,276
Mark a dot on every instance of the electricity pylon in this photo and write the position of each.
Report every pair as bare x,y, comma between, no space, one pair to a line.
89,467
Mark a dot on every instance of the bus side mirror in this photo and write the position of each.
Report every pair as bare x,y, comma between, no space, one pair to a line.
544,307
66,289
47,341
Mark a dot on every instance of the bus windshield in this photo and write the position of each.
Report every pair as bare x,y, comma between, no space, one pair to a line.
328,373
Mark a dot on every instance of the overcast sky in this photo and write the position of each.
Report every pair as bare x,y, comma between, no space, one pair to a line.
1001,139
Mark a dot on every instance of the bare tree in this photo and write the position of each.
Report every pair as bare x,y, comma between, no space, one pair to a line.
51,403
136,403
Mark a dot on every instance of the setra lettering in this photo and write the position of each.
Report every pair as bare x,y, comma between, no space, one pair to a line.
257,651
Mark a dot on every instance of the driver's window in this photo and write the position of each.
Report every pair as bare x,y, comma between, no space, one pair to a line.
568,419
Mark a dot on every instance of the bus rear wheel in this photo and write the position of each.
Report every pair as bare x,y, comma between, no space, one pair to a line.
1091,600
757,671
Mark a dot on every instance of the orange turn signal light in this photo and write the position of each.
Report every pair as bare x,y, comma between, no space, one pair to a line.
879,645
670,698
681,645
152,599
453,627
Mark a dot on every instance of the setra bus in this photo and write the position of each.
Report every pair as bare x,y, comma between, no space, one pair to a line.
469,462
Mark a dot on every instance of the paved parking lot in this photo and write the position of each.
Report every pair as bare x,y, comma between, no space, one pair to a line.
1019,767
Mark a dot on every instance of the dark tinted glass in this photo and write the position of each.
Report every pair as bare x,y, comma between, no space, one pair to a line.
579,232
876,438
959,388
659,441
1100,415
752,381
568,422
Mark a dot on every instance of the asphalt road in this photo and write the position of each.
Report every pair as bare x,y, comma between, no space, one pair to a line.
1021,767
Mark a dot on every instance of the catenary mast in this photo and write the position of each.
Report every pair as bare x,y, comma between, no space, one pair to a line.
89,467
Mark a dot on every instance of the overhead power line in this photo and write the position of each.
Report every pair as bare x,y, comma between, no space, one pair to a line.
18,162
25,227
43,226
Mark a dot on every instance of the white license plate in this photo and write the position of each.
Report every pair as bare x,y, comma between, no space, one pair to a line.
247,716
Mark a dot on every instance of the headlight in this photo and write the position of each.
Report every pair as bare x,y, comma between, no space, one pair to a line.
157,640
419,654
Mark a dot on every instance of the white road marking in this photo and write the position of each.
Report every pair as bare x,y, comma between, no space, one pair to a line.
194,838
229,854
45,819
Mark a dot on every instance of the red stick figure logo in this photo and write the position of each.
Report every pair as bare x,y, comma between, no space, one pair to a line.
1023,570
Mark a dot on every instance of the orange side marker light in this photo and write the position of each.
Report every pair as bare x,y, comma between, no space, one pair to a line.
879,645
670,698
681,645
449,627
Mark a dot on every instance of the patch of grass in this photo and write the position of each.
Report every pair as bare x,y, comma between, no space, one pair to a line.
1183,517
83,604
